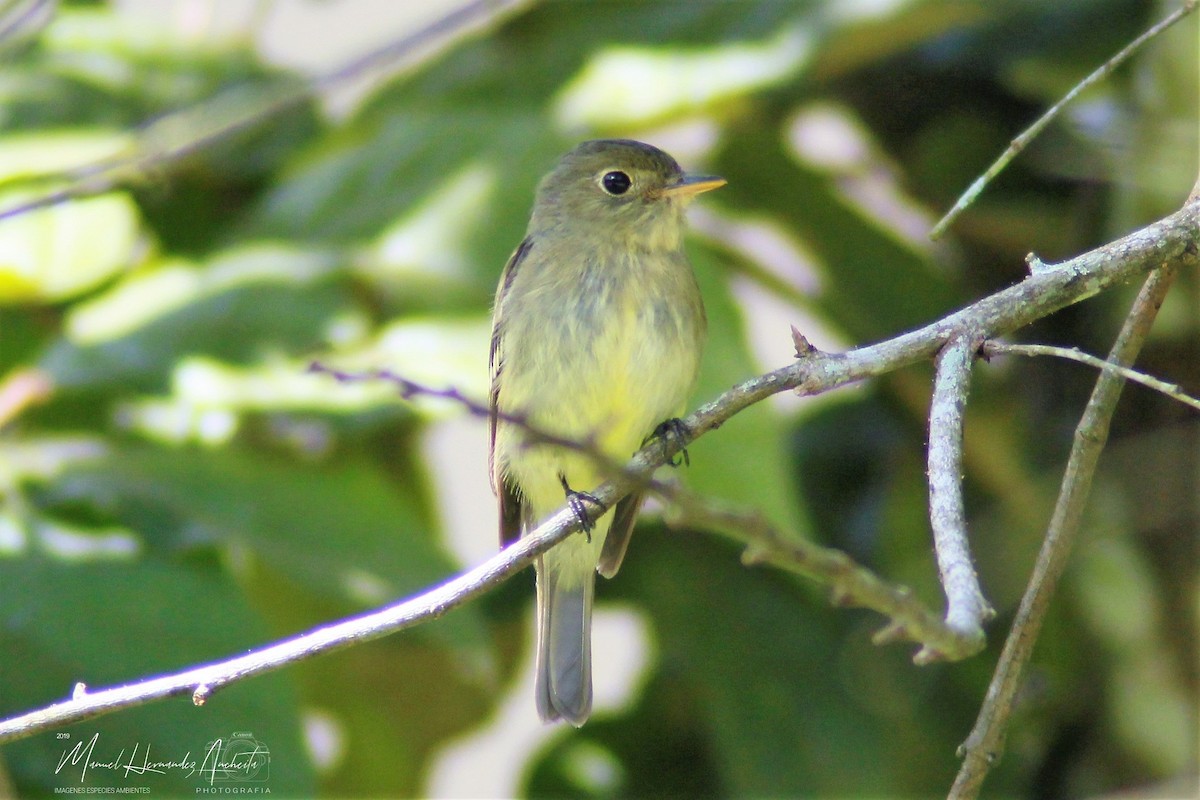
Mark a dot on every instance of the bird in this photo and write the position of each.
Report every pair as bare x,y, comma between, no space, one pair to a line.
597,331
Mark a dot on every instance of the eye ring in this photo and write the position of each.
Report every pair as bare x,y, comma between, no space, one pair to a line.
615,182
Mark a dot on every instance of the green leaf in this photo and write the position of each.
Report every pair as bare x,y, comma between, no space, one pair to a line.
340,528
874,285
237,321
314,523
63,250
765,481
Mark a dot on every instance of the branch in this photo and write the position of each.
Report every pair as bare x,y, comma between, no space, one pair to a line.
966,607
409,389
852,585
201,682
985,744
1043,292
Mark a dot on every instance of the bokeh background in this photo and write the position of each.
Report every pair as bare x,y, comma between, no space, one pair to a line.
175,489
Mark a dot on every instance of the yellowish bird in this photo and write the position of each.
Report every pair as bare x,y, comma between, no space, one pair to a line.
596,336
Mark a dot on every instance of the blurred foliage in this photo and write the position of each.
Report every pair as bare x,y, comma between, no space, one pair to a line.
174,490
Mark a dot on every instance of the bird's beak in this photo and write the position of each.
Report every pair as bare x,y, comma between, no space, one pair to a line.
691,185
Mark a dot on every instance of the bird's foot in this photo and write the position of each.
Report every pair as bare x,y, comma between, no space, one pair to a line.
673,427
577,502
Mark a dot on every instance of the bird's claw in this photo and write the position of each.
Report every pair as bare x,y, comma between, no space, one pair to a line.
577,502
673,427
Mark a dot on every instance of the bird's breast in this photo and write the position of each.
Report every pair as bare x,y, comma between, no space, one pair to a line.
613,349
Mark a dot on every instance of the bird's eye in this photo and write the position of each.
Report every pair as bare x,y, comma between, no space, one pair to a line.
616,182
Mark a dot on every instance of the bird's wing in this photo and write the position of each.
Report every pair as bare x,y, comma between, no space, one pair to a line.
510,501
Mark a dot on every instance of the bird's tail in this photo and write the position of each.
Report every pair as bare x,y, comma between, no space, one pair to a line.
564,657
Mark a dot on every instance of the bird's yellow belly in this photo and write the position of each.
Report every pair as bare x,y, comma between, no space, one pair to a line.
616,387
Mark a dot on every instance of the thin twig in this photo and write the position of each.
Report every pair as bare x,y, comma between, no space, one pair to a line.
17,22
423,44
409,389
1171,390
1018,144
173,136
966,608
985,744
851,584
